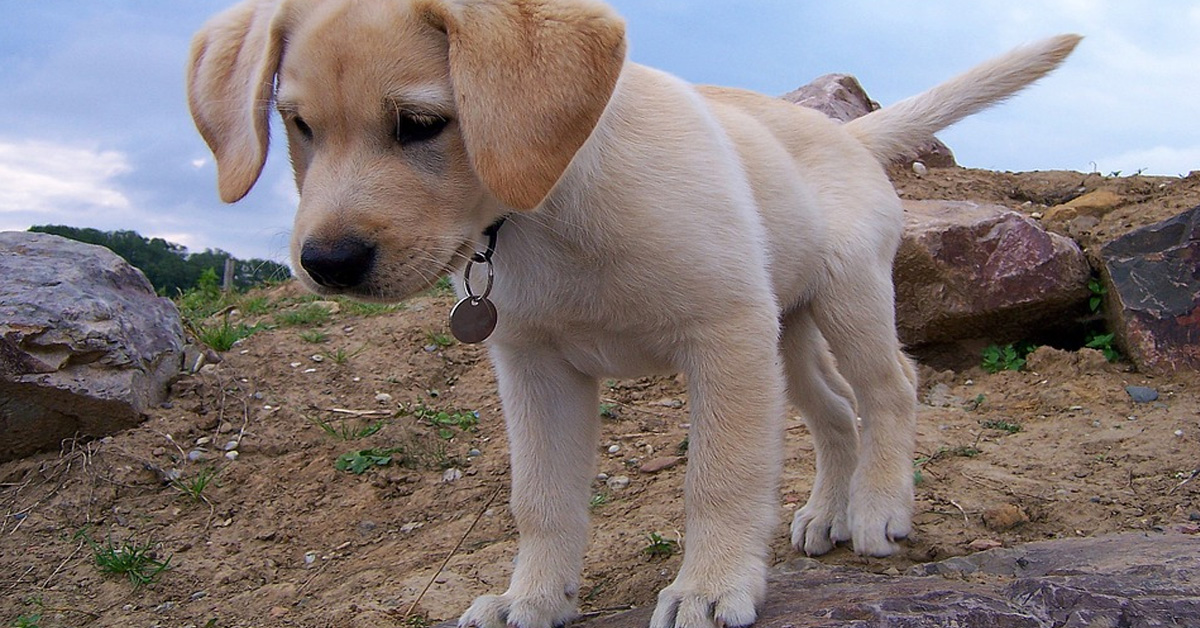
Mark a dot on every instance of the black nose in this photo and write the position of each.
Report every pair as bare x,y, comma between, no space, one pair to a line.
339,264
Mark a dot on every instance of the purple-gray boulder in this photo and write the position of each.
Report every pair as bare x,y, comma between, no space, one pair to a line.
86,347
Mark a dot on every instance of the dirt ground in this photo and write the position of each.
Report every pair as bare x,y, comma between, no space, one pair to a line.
282,537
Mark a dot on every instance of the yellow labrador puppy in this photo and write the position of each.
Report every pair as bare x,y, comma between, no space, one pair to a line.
652,227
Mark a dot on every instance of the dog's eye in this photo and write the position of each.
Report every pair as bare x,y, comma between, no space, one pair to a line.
414,127
303,127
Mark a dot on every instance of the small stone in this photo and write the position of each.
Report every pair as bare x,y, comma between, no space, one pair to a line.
366,526
982,545
603,477
1178,433
310,370
225,428
310,557
452,475
1004,517
1195,516
612,449
383,398
474,453
1142,394
295,365
231,445
919,168
278,612
617,482
195,455
202,441
198,595
660,464
164,607
317,357
408,528
231,455
159,451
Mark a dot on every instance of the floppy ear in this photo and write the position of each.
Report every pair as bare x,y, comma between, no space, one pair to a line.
231,81
531,78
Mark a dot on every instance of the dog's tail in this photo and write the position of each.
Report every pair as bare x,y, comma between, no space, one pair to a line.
893,132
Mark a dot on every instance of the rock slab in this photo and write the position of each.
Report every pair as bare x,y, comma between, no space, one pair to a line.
842,97
1153,300
86,347
967,270
1130,580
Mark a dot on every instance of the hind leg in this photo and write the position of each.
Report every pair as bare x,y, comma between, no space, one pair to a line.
858,320
826,402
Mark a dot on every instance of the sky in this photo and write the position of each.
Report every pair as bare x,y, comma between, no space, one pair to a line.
94,128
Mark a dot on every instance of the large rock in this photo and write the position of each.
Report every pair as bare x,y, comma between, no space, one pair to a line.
1129,580
86,347
841,97
966,270
1153,302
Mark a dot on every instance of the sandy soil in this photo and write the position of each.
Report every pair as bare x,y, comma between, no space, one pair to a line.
282,537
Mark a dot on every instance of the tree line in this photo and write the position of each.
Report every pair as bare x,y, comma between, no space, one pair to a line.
169,266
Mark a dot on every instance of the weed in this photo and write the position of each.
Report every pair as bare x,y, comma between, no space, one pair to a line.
222,337
443,288
1103,342
255,306
1010,357
444,421
598,500
357,462
439,339
609,410
415,620
682,447
29,620
966,451
976,403
307,315
341,356
347,432
660,547
1003,426
314,336
193,487
368,309
1098,290
137,561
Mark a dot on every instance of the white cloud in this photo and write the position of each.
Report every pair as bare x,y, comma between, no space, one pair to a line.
44,177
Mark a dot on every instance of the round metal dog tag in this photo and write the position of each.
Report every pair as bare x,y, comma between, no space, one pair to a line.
473,319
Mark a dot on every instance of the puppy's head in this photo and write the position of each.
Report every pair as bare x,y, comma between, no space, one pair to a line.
411,124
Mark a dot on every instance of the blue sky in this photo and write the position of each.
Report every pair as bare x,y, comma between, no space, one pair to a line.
94,130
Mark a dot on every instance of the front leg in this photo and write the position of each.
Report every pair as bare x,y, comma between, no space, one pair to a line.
551,410
734,457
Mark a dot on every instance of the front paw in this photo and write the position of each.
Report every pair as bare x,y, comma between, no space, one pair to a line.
819,526
729,605
879,518
503,611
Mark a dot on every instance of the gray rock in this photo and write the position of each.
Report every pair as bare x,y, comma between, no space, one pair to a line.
1131,580
842,97
1153,300
966,270
1141,394
86,347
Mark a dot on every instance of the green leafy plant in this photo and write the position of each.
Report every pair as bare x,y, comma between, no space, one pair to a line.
223,336
256,305
306,315
314,336
139,562
609,410
1003,426
346,431
194,486
1010,357
358,462
660,547
439,339
1098,290
445,421
368,308
341,355
1104,343
598,500
27,620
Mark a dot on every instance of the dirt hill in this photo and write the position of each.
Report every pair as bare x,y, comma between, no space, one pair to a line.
286,532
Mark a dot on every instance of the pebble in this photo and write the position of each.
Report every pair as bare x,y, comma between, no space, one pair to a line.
1004,517
617,482
408,528
603,477
660,464
202,441
474,453
195,455
164,607
317,357
310,557
1178,433
612,449
383,398
452,475
1142,394
919,168
198,595
231,445
295,365
231,455
981,545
